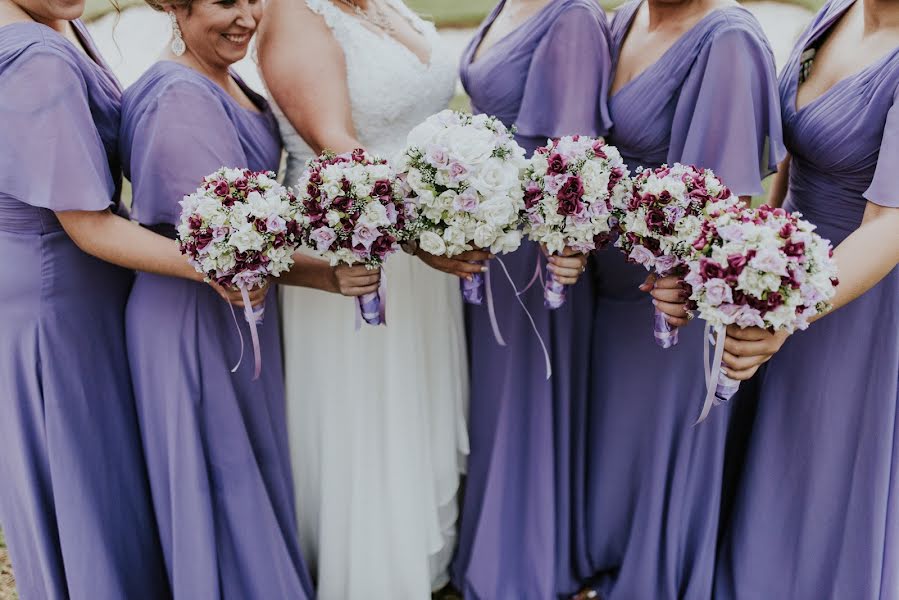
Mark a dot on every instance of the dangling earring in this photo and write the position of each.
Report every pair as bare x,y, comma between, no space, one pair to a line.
178,46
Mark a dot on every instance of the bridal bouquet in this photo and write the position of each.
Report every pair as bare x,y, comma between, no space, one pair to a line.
352,215
569,186
462,178
764,268
239,228
660,216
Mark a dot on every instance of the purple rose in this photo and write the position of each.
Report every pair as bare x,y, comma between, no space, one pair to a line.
655,220
341,204
383,246
466,201
260,224
569,195
203,238
747,316
710,270
222,189
532,194
555,164
392,213
642,256
794,249
194,222
241,184
665,263
598,146
382,190
323,237
717,291
457,172
736,263
364,234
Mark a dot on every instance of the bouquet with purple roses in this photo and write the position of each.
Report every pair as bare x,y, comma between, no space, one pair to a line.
569,185
239,228
756,268
352,214
660,216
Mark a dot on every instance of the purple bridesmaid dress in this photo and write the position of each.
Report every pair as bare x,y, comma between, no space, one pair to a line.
654,479
74,498
817,511
216,441
549,78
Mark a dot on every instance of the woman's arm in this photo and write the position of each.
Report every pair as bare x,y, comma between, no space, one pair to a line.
780,184
311,91
864,258
121,242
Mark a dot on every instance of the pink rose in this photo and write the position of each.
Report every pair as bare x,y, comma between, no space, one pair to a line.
717,292
642,256
466,201
323,238
364,235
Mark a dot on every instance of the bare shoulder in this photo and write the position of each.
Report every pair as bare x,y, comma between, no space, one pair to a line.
291,20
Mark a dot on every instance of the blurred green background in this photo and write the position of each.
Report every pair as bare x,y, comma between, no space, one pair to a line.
446,13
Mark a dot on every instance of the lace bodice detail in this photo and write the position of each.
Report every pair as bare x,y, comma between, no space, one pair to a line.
391,90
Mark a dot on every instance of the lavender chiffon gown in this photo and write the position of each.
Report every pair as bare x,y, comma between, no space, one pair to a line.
216,442
549,77
74,498
654,479
817,513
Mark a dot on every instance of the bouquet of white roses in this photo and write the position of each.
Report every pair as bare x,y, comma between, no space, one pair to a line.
352,214
462,178
239,228
756,268
569,185
660,216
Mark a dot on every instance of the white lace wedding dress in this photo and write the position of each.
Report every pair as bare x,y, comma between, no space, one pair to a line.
377,417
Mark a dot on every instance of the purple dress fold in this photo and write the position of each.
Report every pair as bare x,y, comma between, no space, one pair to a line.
653,484
549,77
216,441
817,509
74,496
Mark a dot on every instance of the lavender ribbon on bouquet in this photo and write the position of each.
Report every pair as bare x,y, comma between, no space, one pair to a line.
473,290
664,333
553,292
719,387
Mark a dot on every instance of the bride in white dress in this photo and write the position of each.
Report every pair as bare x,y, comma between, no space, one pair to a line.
377,417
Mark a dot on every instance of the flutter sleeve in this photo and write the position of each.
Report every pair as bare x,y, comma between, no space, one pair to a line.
727,116
51,154
883,189
568,79
173,141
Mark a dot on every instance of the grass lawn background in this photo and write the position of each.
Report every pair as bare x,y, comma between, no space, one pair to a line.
446,13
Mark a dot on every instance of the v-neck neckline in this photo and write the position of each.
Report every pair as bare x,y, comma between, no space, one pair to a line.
488,23
830,23
669,50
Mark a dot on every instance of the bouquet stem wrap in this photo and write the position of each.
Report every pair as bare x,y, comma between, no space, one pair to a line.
553,292
719,387
372,306
665,334
473,291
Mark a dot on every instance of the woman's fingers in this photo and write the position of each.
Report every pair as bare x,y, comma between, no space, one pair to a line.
741,363
649,282
747,333
673,295
361,290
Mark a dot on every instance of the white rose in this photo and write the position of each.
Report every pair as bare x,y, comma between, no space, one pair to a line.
470,146
333,217
416,182
508,242
432,243
376,213
498,212
247,238
454,236
484,235
424,133
495,177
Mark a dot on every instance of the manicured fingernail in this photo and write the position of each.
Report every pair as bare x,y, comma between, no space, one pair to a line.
484,269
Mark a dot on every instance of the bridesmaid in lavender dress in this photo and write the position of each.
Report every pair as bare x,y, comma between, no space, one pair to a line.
817,512
216,441
74,498
547,74
694,82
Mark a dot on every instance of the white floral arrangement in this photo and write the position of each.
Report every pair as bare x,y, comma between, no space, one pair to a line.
238,229
756,268
569,186
461,176
659,217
